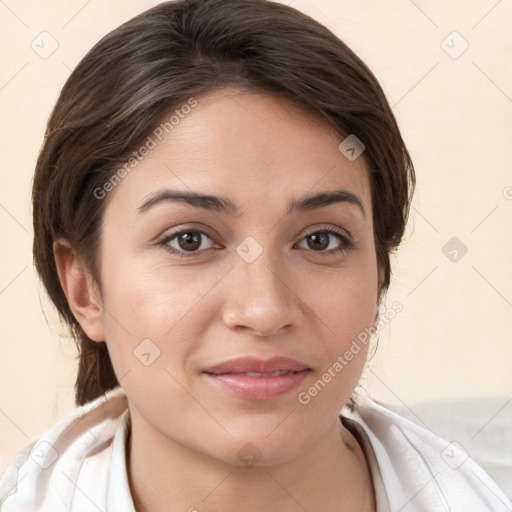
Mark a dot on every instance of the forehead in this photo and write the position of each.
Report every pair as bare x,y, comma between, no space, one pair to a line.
255,149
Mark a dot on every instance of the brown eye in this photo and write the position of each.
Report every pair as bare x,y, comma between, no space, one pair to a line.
186,242
320,240
189,241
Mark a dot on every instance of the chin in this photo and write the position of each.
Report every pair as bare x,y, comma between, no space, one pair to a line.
259,450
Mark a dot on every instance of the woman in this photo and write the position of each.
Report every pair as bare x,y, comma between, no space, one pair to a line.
220,188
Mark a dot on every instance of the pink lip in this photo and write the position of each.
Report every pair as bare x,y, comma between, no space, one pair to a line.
232,376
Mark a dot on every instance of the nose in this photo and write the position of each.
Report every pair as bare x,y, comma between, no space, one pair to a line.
262,298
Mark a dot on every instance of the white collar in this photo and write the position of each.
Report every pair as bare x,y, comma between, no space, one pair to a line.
82,461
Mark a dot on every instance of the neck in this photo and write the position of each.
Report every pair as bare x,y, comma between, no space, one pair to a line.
331,475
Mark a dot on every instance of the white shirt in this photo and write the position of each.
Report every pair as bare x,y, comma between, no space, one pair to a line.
80,464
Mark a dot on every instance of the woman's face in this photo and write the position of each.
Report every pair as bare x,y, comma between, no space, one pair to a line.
266,282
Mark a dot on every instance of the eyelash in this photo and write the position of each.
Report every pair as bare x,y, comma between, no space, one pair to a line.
345,246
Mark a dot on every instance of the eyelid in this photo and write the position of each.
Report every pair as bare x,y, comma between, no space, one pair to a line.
329,227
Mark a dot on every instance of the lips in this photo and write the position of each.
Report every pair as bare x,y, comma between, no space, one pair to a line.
256,379
253,365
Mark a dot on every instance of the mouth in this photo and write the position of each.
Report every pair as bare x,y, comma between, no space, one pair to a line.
269,367
258,374
257,379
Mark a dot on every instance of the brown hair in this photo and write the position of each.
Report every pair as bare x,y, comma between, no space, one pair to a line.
157,61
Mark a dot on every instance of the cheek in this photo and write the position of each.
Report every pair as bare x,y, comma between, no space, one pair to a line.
150,328
147,300
346,304
347,300
346,308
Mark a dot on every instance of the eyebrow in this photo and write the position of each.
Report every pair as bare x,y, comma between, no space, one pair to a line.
226,206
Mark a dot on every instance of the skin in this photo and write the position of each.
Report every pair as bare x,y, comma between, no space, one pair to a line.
294,301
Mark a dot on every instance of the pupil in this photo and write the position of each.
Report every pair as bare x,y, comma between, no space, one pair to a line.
321,239
187,238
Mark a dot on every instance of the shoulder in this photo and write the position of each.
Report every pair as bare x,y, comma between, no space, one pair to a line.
48,467
421,469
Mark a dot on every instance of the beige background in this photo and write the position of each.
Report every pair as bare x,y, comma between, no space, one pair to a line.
452,338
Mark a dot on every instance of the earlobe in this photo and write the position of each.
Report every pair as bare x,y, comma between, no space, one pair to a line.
80,290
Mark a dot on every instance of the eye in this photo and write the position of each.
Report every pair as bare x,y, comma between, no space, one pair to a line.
320,240
191,242
187,242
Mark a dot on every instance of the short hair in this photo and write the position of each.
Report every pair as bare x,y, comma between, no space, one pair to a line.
157,61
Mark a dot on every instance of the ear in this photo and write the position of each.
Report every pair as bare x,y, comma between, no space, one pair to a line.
80,290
